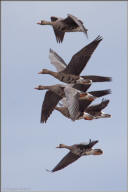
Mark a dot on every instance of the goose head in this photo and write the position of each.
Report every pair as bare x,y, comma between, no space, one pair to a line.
44,71
61,146
40,87
94,152
97,152
43,22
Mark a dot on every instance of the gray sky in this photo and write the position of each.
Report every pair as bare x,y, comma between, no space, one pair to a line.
28,147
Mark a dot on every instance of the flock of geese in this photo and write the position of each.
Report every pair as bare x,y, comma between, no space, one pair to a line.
72,98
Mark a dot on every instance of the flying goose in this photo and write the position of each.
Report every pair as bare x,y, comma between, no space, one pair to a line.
77,106
76,151
71,73
60,65
61,25
89,113
56,92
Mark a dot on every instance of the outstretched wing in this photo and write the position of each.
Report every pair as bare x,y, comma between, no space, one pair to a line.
96,78
83,104
59,34
79,23
100,93
98,107
57,61
50,101
72,99
69,23
80,59
81,87
68,159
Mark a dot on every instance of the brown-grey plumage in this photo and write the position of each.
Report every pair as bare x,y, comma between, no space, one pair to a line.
76,151
47,106
100,93
97,78
68,159
69,24
58,33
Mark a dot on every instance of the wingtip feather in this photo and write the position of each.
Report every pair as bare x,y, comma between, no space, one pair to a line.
50,171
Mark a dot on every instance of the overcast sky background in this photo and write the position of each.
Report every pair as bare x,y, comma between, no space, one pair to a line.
28,147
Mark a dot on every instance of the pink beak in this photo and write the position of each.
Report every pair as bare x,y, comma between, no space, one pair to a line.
40,72
38,23
36,88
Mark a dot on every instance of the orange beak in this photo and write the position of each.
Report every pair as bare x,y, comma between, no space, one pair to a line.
88,118
98,152
91,98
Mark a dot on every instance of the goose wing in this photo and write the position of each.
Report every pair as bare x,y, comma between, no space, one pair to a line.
80,59
79,23
68,159
96,78
63,102
57,61
83,104
59,34
100,93
50,101
69,22
72,99
81,87
98,107
88,145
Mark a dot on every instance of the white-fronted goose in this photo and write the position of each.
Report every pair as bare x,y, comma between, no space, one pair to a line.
76,151
89,113
96,110
66,78
71,73
60,65
76,104
56,92
61,25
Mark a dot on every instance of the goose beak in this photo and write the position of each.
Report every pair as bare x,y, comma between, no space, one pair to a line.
36,88
91,98
40,72
98,152
57,147
39,23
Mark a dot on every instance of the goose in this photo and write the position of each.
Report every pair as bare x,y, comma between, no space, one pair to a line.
89,113
60,65
76,106
75,152
61,25
56,92
66,78
71,73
